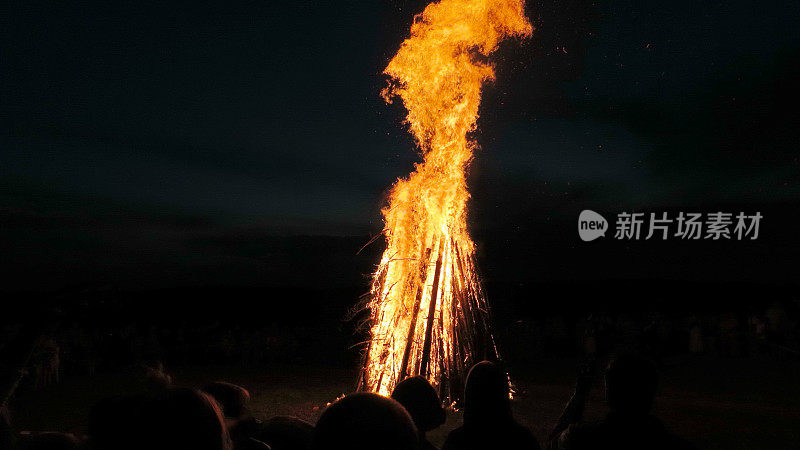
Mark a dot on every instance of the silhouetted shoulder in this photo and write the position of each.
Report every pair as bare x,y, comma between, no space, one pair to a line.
613,433
511,437
524,437
455,439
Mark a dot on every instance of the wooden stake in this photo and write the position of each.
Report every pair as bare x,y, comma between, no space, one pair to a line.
414,314
426,347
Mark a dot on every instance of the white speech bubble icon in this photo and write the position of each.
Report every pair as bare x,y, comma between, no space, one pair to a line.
591,225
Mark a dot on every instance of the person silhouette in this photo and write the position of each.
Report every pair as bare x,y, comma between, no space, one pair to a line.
365,421
286,433
488,422
182,418
631,384
233,400
421,401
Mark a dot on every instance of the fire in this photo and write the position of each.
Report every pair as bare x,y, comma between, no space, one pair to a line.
428,313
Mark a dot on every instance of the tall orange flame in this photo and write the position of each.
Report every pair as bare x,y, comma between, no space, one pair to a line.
428,311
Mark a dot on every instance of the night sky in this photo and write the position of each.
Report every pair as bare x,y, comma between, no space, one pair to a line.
149,144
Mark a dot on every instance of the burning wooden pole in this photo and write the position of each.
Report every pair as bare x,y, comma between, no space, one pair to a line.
426,347
414,315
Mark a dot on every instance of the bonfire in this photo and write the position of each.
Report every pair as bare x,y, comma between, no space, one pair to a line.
429,315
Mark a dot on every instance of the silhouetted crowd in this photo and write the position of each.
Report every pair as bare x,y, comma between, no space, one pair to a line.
773,330
163,416
86,346
157,414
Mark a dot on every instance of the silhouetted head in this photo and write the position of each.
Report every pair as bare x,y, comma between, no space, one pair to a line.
153,378
421,401
365,421
486,395
631,384
287,433
232,399
50,441
183,418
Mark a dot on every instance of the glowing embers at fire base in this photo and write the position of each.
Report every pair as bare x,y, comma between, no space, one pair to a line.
428,313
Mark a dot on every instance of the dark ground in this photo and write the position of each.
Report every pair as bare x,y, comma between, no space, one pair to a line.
730,403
